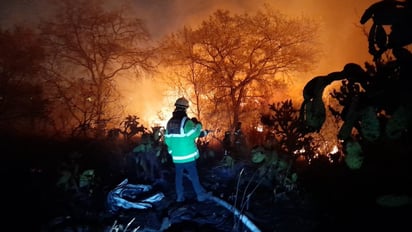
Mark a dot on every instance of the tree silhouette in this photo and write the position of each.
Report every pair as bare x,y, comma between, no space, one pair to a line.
242,57
21,95
89,48
191,81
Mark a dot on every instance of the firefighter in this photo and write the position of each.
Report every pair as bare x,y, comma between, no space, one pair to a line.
180,138
147,157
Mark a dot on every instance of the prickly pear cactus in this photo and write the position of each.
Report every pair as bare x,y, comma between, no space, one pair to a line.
394,200
353,158
258,155
398,123
315,114
370,126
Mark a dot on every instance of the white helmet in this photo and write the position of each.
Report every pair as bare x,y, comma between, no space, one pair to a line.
182,103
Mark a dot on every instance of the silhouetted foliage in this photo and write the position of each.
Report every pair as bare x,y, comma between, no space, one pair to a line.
398,15
129,127
374,102
283,121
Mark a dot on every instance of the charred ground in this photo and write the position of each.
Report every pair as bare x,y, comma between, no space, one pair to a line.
328,196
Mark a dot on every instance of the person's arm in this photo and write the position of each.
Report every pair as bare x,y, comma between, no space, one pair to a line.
193,128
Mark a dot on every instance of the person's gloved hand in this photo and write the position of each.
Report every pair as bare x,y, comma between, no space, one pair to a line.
196,121
203,133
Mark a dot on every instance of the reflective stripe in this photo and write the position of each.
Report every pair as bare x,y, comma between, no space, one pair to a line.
175,135
185,157
189,133
182,124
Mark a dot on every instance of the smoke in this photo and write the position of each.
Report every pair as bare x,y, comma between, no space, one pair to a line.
148,100
341,35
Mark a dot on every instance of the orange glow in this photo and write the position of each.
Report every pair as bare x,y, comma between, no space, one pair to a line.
341,35
147,100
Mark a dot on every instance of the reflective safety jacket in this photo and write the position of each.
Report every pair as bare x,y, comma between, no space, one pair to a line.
180,138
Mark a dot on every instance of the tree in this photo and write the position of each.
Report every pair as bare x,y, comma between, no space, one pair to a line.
242,58
89,48
188,81
21,93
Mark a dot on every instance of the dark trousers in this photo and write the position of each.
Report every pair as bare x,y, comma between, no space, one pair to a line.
193,177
